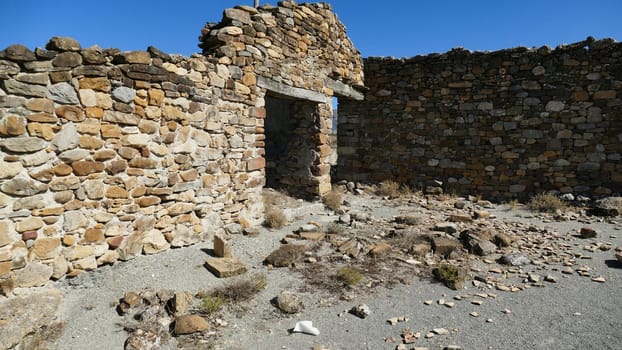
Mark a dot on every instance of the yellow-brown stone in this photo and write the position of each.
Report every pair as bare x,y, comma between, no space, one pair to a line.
116,192
46,247
156,97
99,84
40,105
105,154
51,211
62,169
85,167
44,131
90,142
69,240
94,235
148,201
12,126
71,113
110,131
94,112
29,224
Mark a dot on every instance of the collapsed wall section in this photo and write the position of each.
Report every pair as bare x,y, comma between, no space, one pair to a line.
505,124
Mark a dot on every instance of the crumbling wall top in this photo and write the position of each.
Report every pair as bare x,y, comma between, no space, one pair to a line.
299,45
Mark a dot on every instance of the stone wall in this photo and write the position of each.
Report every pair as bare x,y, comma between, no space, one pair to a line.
504,124
298,52
106,154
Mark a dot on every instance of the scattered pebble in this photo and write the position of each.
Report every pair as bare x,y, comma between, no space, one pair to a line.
599,279
361,310
452,347
428,302
395,320
477,302
507,311
550,278
409,337
474,314
440,331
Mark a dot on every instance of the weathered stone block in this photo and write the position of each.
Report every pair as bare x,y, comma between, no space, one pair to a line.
225,267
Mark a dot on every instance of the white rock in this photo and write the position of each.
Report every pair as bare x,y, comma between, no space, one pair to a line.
306,327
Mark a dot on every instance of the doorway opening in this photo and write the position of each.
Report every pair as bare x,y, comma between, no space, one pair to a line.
290,146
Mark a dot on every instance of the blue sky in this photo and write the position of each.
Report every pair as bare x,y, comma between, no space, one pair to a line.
401,28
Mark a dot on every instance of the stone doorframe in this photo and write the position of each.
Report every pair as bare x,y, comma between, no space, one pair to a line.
308,168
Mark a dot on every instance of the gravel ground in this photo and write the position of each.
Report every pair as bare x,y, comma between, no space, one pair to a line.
574,313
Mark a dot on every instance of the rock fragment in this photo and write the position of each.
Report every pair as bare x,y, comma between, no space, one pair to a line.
188,324
361,310
289,303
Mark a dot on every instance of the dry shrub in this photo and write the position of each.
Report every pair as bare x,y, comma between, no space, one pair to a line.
452,276
547,203
275,218
349,276
231,293
333,199
409,219
211,304
392,188
513,204
335,228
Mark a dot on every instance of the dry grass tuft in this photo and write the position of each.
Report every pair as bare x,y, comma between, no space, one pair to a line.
211,304
452,276
513,204
546,203
335,228
244,289
333,199
392,188
232,293
275,218
348,275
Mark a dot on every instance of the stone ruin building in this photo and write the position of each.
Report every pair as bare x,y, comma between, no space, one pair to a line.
107,154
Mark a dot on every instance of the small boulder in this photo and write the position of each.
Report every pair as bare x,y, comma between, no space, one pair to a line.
361,311
514,259
477,245
180,303
503,239
443,246
288,302
587,232
188,324
63,44
611,206
448,227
